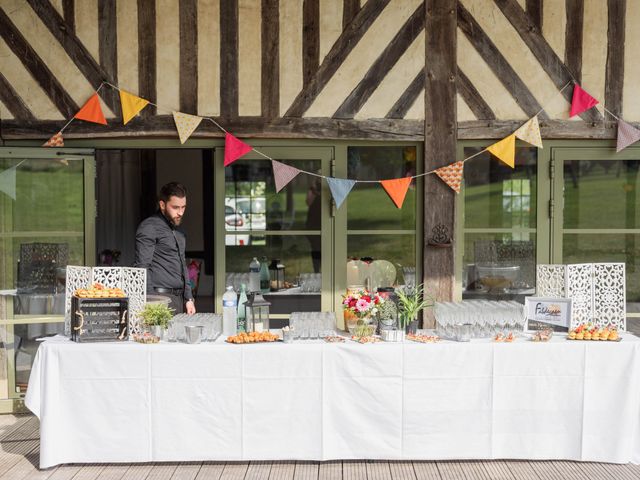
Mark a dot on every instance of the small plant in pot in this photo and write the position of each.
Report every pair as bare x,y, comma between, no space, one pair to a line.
411,301
156,316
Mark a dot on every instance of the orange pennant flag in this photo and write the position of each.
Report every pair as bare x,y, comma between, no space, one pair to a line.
452,175
505,150
92,111
397,189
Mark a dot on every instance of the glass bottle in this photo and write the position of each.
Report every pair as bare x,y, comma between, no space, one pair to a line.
254,275
242,312
264,276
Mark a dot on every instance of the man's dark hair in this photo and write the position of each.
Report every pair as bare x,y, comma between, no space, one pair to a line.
172,189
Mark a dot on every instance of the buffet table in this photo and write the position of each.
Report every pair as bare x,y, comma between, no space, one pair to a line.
315,401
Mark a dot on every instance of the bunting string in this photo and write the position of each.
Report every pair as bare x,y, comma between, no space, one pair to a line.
451,173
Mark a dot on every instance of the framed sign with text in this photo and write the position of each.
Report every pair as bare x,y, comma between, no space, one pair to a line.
543,312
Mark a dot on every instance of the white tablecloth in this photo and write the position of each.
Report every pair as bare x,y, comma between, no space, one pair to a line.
175,402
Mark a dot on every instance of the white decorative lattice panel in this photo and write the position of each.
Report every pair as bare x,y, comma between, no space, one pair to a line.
133,281
550,281
609,295
580,290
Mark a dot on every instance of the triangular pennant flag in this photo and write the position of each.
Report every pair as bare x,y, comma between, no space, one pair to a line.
397,189
55,141
283,174
234,149
131,105
340,188
8,182
452,175
530,132
627,134
92,111
185,124
581,101
505,150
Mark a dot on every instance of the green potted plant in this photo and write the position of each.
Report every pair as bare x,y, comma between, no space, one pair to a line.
411,301
156,316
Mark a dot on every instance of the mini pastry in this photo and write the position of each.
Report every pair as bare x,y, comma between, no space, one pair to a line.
613,335
580,336
572,335
587,335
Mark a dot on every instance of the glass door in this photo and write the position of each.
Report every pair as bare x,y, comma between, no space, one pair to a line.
594,210
47,212
292,227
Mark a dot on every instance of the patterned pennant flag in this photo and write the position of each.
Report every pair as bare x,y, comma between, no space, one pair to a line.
55,141
397,189
581,101
530,132
92,111
186,124
131,106
452,175
627,134
8,182
283,174
505,150
340,188
234,149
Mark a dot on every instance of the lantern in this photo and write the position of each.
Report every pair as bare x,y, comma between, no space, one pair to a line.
257,313
276,274
388,310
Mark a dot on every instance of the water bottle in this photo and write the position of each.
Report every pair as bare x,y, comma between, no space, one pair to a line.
254,275
265,286
242,312
229,312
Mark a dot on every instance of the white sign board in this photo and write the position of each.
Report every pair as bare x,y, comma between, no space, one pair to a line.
544,312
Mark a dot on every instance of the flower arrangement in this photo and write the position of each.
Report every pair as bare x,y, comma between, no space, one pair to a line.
361,303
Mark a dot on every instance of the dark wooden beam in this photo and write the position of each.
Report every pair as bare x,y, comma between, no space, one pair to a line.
409,96
310,39
229,58
270,86
534,10
13,102
573,37
69,14
472,98
74,48
555,68
108,47
498,64
336,56
321,128
189,56
147,71
382,65
614,80
36,67
440,139
349,10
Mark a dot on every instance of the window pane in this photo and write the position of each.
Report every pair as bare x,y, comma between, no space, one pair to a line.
601,194
397,253
497,196
369,205
499,266
26,345
252,204
301,257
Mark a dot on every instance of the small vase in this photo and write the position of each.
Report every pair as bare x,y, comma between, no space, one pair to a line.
412,327
157,331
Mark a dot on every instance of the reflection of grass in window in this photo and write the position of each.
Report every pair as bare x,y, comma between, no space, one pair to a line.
370,208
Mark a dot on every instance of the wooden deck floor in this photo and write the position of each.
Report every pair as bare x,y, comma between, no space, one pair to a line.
20,445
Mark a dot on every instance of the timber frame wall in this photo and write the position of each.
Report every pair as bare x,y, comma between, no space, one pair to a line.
433,71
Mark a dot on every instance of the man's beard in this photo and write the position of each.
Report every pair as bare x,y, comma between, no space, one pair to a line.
173,221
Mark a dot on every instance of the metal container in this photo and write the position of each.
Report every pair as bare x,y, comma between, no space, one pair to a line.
288,336
389,335
462,332
193,333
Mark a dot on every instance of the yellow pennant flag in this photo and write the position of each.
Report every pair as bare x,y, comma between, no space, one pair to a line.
505,150
186,124
131,105
530,132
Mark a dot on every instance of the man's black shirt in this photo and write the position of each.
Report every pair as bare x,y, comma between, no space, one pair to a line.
160,249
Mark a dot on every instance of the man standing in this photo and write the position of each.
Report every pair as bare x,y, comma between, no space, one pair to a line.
160,249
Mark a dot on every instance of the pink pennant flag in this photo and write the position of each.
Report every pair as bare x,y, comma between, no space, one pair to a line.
581,101
283,174
627,134
234,149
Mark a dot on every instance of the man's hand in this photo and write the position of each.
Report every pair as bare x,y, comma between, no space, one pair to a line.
191,307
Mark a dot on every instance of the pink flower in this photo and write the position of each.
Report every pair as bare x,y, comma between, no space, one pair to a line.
362,305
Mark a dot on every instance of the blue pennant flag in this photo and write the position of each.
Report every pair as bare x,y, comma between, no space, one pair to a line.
340,188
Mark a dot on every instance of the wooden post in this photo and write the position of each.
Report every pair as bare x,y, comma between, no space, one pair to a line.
440,136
